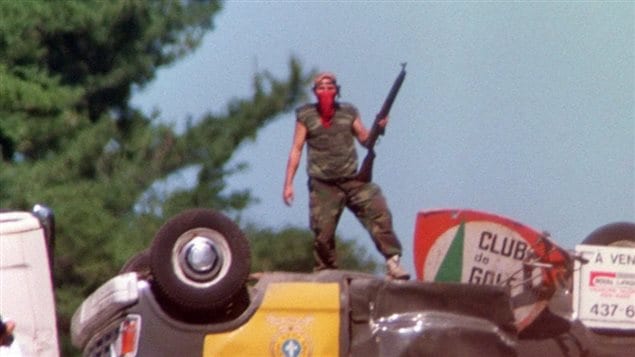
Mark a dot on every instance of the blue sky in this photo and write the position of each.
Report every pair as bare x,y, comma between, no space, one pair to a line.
522,109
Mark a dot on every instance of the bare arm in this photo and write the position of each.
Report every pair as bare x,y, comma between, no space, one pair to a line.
295,154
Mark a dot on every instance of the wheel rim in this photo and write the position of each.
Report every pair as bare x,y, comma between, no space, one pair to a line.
201,257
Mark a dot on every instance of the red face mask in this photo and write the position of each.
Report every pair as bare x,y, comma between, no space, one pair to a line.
326,106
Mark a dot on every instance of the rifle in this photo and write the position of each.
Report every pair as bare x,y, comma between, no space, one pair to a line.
366,170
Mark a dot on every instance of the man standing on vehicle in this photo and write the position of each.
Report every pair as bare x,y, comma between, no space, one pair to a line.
330,128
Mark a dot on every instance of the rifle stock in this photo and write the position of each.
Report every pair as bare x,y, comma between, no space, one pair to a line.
365,172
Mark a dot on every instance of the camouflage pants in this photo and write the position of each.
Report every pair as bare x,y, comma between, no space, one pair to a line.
326,203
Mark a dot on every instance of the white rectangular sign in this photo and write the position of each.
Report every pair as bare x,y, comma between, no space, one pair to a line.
604,287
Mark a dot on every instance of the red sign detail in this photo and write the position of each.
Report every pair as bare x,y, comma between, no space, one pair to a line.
601,278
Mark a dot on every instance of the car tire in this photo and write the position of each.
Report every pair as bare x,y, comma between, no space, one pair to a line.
619,234
199,261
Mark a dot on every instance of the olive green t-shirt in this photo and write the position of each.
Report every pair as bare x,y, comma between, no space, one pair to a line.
331,151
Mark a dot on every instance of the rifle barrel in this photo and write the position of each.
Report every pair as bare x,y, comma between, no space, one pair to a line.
366,170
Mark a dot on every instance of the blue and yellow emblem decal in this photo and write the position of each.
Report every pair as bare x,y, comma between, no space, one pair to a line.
291,339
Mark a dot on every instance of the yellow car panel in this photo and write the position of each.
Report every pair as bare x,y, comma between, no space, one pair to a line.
294,319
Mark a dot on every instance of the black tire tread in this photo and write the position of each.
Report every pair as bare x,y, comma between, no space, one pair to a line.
611,233
181,296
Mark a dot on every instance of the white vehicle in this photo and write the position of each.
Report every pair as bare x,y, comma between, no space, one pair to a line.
26,289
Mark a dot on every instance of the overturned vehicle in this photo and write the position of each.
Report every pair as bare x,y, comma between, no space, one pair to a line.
191,294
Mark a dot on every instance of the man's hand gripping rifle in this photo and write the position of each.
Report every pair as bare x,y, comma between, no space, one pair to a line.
366,170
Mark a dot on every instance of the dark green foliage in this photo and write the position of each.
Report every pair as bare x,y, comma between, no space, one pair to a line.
68,62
